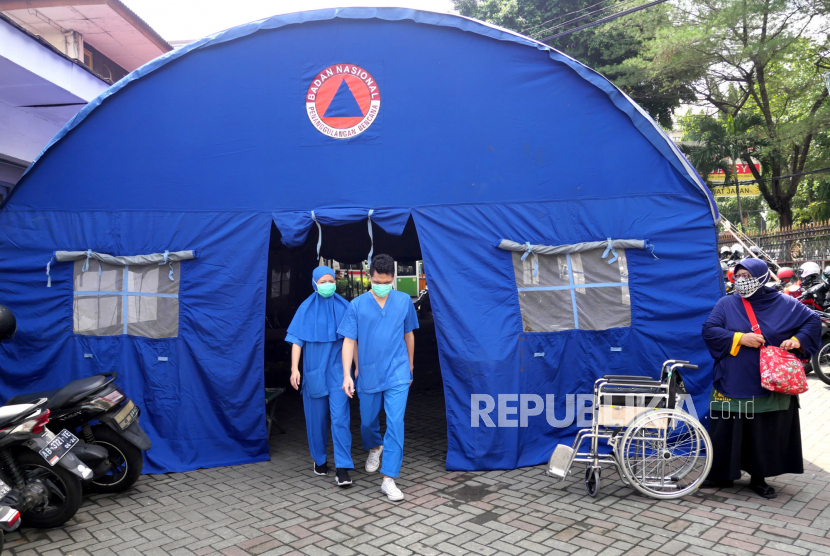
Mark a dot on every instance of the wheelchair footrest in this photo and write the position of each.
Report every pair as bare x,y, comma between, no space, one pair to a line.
560,462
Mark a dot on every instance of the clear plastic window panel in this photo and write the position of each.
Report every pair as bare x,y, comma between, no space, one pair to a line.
553,271
602,302
603,308
546,311
153,312
111,278
98,315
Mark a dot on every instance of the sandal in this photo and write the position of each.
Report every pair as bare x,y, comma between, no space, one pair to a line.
764,491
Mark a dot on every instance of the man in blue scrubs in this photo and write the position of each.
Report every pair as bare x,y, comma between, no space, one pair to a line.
381,322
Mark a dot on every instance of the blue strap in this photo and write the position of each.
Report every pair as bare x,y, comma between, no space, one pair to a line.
164,262
319,234
528,251
613,252
650,247
371,237
86,262
49,278
573,291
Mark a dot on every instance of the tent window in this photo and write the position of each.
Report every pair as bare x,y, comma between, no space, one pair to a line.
573,291
138,300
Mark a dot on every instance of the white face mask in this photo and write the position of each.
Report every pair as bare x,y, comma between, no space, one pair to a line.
747,286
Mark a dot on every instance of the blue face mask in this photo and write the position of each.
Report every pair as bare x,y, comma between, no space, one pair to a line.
381,290
326,289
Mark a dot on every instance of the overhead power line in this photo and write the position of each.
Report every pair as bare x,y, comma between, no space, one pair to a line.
603,20
601,11
527,30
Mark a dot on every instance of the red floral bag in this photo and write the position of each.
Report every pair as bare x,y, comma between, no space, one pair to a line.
781,371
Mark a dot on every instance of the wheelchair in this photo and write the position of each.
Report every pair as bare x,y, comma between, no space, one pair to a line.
657,448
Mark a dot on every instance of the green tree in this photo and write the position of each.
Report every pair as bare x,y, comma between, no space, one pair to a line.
760,57
720,144
604,48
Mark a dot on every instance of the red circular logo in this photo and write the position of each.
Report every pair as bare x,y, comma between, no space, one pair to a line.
342,101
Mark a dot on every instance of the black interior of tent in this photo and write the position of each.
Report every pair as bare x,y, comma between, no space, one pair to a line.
289,284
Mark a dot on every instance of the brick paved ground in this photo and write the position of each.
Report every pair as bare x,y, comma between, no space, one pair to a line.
280,507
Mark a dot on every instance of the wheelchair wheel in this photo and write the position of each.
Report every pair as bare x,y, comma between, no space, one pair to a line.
592,481
665,453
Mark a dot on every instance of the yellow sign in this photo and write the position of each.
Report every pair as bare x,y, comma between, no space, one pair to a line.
746,190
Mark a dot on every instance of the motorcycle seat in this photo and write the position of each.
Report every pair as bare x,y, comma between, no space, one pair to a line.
72,392
10,413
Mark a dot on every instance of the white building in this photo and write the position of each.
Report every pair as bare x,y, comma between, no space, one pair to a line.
55,56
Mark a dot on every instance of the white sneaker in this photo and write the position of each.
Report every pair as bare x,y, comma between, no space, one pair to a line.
389,488
373,461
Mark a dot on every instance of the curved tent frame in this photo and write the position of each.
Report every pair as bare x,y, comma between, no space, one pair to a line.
642,121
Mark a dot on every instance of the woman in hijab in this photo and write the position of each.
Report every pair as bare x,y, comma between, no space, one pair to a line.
313,331
753,429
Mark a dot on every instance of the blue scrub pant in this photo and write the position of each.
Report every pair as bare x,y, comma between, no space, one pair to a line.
319,412
394,404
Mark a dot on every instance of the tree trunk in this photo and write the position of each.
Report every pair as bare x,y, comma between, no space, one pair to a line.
738,193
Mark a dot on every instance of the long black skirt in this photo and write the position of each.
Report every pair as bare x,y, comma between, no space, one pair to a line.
766,445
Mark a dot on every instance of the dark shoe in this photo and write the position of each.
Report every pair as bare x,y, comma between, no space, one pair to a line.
764,491
321,469
711,483
343,478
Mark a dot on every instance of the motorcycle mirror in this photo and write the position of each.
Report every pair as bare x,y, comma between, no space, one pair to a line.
8,324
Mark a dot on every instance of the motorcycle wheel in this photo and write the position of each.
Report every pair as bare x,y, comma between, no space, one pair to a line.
65,494
821,363
127,461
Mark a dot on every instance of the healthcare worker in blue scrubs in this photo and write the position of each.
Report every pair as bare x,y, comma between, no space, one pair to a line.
313,331
381,323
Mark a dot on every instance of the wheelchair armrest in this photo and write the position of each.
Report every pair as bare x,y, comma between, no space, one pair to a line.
632,380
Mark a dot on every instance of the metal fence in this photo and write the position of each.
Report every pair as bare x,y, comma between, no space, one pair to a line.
791,246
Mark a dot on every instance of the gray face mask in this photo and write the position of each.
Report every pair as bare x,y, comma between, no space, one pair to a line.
747,286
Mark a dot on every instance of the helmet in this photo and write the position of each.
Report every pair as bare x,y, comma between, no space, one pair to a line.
785,274
731,274
724,267
827,271
725,250
738,248
755,250
809,269
8,324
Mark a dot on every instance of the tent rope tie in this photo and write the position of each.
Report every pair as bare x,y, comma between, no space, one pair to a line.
371,237
319,234
48,277
612,250
164,262
529,251
650,247
86,262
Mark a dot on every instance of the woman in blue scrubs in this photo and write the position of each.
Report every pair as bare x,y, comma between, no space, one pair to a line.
313,331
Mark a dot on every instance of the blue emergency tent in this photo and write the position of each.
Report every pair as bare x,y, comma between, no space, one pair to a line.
153,209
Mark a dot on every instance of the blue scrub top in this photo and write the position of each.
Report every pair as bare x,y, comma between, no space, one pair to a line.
322,366
383,362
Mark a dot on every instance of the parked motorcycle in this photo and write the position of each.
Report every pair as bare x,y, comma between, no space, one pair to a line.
9,521
41,478
98,398
112,448
821,360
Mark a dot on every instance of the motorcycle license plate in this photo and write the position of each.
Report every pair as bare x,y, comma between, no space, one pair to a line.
4,489
127,415
58,447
